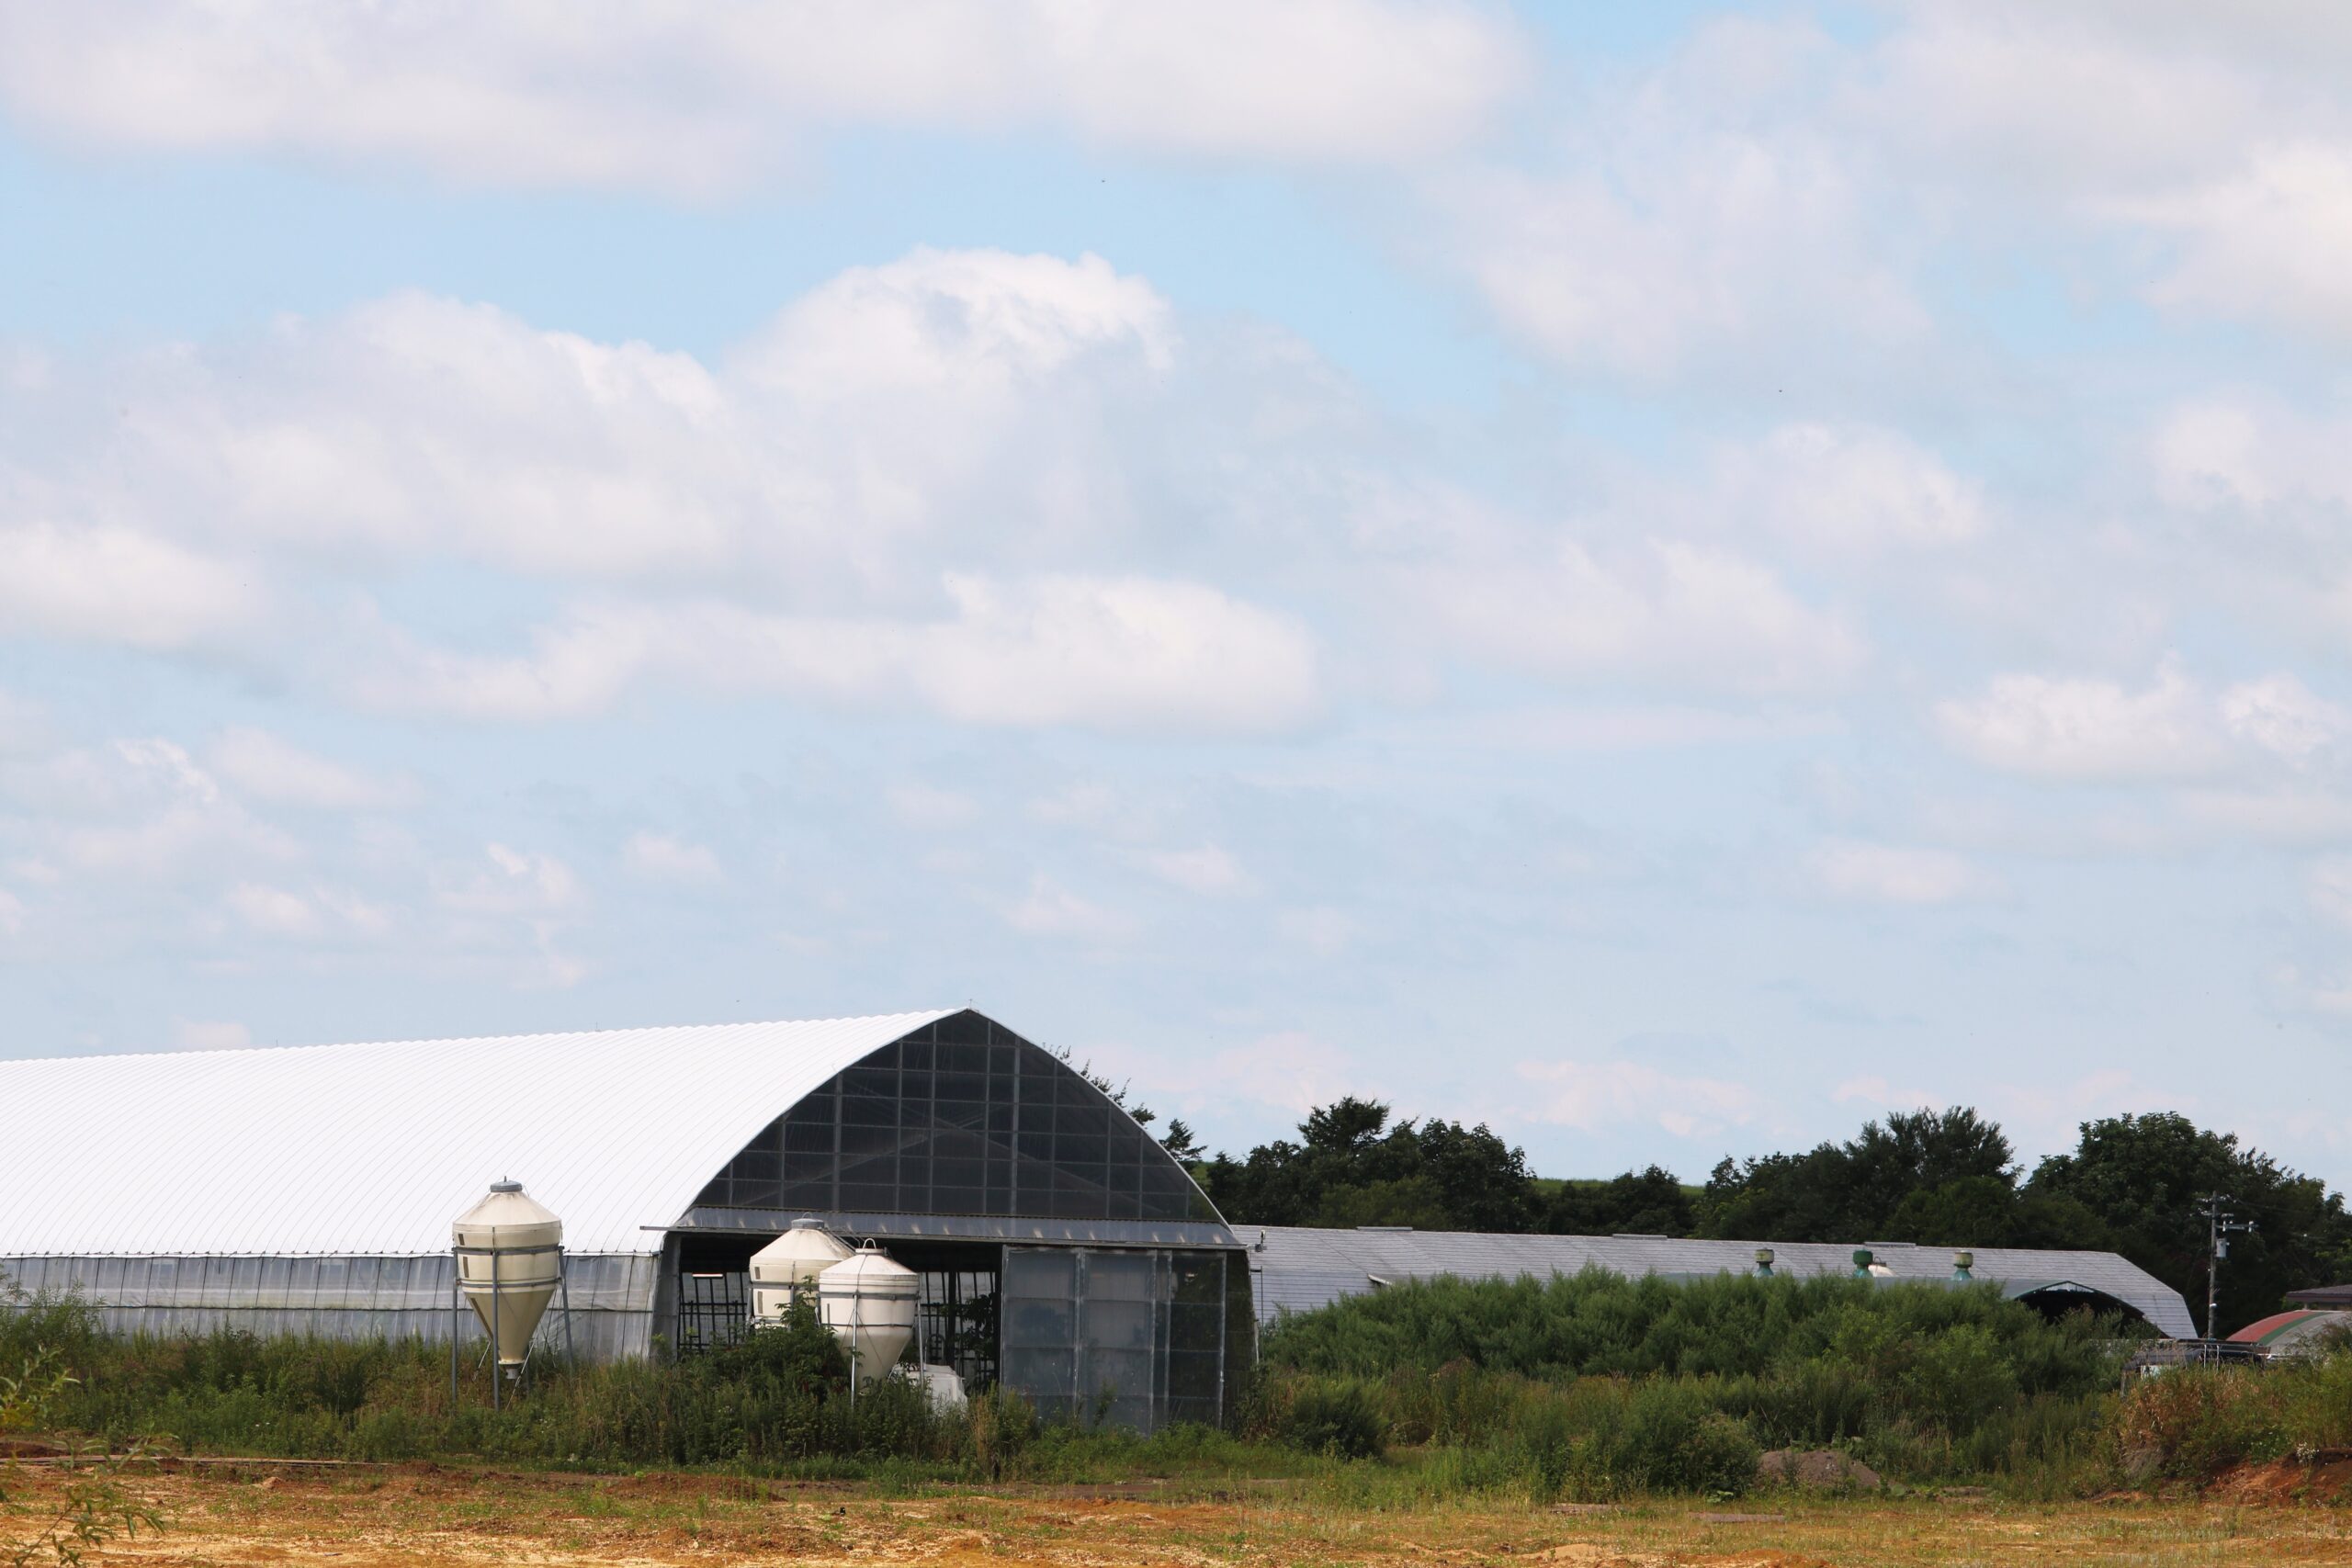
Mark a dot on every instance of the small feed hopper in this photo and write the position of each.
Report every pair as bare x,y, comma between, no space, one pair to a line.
509,1252
788,1265
868,1301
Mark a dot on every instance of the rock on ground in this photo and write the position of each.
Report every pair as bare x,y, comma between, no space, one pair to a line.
1816,1470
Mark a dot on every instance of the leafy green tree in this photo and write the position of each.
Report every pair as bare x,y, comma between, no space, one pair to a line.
1645,1202
1182,1142
1352,1166
1852,1191
2144,1175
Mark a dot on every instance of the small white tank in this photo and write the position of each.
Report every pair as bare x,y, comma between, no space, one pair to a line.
506,1223
789,1265
943,1387
869,1303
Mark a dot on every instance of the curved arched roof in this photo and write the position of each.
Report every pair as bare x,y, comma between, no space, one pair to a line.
373,1149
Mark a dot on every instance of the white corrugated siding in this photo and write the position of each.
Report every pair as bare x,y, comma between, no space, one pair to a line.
372,1150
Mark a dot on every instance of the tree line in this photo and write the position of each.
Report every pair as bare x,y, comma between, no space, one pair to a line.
1947,1177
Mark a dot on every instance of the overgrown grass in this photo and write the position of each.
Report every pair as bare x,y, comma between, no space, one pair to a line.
2193,1424
1590,1387
778,1405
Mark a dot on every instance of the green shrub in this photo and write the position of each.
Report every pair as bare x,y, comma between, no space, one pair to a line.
1338,1418
1004,1424
1545,1440
1674,1441
1958,1378
1596,1323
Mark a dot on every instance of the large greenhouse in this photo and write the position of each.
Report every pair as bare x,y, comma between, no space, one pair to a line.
1057,1249
312,1188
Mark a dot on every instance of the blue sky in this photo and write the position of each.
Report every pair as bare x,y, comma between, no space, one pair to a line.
1668,579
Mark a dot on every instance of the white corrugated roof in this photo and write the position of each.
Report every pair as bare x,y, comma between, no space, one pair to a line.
374,1149
1302,1268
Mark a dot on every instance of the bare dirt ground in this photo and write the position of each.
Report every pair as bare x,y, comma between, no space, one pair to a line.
400,1516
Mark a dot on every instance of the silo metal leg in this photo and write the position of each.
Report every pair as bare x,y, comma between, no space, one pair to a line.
497,1361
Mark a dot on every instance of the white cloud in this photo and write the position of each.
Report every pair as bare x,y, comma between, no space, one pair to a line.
2089,729
2085,728
137,810
1205,869
1619,728
2252,454
12,914
657,857
697,100
270,768
1996,89
1894,874
1594,1096
274,911
1048,908
1696,212
513,882
1115,654
319,913
190,1035
911,489
2261,242
837,455
2285,717
1672,612
976,323
2222,145
113,585
1851,489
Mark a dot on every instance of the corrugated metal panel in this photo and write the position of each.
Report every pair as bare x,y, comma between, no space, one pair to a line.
370,1150
1302,1268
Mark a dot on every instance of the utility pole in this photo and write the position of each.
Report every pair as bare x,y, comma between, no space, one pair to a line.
2219,1223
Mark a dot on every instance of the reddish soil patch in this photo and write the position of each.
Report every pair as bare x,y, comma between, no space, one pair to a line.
2323,1480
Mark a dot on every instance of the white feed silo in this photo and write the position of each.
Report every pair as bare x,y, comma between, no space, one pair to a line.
510,1265
868,1301
789,1265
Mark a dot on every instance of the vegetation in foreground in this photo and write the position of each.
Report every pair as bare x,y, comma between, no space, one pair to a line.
59,1524
1939,1178
1593,1388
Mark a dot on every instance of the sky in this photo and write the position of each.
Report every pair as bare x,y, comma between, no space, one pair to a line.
1670,579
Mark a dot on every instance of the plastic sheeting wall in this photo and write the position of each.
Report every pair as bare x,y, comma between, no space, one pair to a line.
1134,1338
339,1298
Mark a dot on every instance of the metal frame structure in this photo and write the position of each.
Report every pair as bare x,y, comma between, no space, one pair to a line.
458,1284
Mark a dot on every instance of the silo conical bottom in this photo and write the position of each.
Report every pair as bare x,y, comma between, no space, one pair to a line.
519,1309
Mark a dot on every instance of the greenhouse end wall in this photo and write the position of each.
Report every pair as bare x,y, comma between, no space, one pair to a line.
336,1298
1124,1337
